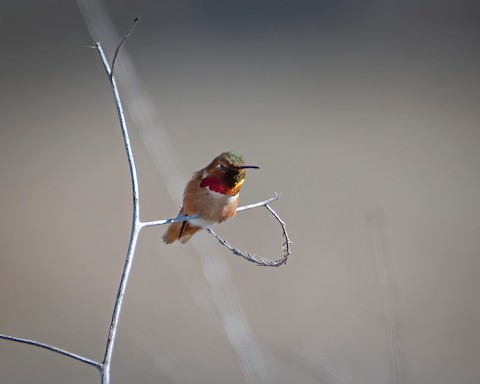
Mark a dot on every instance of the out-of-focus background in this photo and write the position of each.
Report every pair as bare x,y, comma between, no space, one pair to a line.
364,114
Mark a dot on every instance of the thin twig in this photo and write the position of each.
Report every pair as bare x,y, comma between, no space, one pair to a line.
115,55
255,205
49,347
192,217
168,221
286,245
261,262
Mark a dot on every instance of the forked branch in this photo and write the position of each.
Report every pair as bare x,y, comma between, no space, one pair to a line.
137,225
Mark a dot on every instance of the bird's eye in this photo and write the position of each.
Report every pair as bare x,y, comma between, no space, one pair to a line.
221,167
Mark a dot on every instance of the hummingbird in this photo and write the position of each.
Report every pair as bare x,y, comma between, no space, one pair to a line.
212,194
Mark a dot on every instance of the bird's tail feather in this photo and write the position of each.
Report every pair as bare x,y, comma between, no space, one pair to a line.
181,231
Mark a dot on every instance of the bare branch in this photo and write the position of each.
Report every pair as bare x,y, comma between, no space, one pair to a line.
49,347
255,205
115,55
184,218
261,262
136,227
104,367
286,245
168,221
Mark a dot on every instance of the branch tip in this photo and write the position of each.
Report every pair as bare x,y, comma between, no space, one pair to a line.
120,45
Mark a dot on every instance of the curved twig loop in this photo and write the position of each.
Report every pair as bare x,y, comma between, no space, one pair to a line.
262,262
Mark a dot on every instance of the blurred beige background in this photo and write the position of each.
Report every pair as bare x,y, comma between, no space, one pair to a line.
364,115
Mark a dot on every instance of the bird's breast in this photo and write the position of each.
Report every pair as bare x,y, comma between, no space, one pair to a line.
216,207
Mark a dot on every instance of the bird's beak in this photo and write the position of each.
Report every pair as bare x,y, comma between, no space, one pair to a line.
247,166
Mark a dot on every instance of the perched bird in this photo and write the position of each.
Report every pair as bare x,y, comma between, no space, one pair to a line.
212,194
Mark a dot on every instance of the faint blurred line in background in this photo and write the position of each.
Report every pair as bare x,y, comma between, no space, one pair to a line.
387,278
